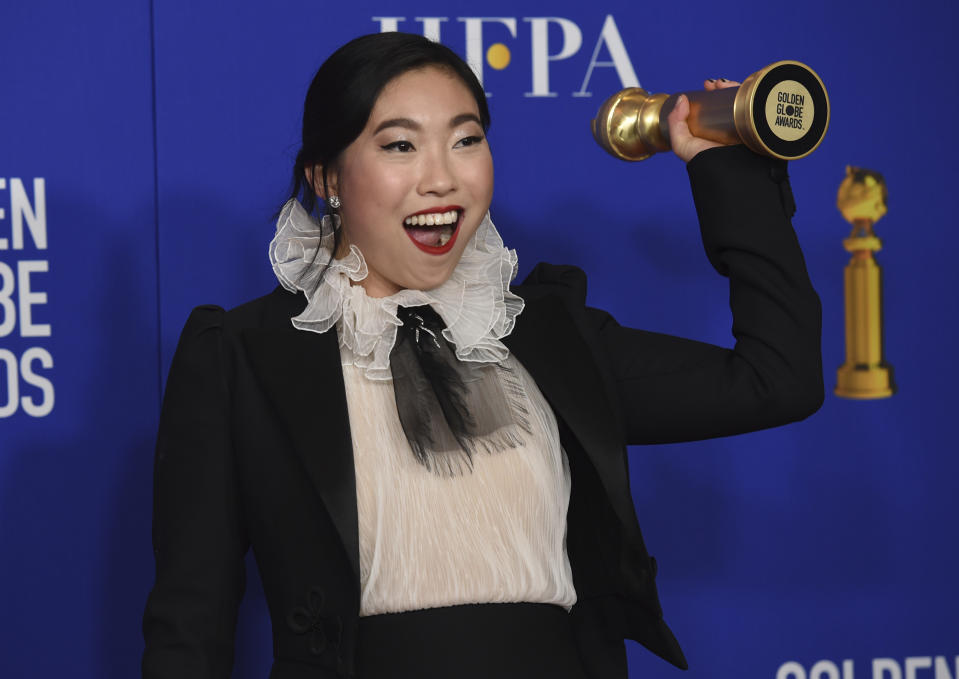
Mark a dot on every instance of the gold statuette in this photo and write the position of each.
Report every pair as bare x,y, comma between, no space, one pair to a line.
865,374
781,111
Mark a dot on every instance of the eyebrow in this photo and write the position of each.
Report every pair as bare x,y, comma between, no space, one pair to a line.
413,125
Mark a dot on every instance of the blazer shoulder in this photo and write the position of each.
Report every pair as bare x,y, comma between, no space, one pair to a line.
273,310
559,280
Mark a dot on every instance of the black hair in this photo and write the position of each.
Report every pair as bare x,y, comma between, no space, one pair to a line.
345,89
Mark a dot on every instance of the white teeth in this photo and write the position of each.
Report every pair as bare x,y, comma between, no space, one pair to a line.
444,239
432,219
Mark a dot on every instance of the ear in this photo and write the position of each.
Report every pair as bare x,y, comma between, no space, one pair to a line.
314,177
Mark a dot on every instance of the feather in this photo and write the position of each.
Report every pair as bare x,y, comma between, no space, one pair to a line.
434,392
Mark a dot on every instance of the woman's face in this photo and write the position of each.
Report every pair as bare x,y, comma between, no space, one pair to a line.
422,157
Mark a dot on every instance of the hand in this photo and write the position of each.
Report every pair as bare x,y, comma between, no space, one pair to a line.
685,145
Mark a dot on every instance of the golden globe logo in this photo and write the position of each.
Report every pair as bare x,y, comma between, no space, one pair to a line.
544,51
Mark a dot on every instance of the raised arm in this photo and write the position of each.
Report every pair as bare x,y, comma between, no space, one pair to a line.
672,389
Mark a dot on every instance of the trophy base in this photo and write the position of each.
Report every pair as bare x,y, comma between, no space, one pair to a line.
782,110
864,381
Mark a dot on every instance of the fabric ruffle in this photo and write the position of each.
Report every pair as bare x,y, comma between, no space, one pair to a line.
475,302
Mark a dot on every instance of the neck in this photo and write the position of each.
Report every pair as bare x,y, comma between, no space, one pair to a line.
376,286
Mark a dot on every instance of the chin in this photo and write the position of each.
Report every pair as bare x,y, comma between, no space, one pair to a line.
433,279
429,283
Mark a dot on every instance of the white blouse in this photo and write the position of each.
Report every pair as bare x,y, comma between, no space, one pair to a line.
496,533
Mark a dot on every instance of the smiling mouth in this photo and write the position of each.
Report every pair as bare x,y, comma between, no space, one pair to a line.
434,231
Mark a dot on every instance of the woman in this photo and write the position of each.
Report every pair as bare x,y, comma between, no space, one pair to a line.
430,465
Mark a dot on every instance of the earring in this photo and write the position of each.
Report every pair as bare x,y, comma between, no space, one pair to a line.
333,202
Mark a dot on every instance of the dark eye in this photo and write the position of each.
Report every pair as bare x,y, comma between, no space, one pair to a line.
469,141
401,146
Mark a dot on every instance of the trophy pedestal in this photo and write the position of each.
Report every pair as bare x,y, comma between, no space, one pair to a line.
864,381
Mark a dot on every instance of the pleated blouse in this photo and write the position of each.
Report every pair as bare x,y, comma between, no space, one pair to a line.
493,534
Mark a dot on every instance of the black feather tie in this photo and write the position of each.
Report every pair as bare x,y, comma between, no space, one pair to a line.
449,408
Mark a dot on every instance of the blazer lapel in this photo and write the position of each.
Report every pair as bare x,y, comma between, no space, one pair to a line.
301,374
547,342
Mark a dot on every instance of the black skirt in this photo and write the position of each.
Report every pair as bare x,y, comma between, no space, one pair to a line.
479,641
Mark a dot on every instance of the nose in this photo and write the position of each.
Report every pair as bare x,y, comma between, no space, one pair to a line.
437,176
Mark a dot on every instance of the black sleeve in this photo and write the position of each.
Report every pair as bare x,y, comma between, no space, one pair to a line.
672,389
198,539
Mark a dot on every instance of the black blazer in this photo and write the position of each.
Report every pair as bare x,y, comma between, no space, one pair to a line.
254,447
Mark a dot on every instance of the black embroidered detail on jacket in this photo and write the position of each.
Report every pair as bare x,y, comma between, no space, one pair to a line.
325,632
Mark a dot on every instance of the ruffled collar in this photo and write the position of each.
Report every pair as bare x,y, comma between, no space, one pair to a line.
475,303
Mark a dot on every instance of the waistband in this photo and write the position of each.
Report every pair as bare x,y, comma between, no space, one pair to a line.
473,641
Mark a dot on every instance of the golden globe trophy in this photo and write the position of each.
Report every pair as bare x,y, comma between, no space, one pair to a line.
781,111
865,374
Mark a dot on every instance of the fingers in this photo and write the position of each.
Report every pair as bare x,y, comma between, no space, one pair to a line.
683,143
719,84
678,129
680,111
679,134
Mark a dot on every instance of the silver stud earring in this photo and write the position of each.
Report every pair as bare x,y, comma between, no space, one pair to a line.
334,202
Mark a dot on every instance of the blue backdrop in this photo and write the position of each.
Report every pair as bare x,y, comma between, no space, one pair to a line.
145,144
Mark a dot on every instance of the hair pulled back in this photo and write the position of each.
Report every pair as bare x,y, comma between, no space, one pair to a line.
345,89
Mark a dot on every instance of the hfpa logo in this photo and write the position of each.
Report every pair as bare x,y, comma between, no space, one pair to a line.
543,51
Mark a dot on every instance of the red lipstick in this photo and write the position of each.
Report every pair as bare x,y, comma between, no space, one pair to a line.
439,249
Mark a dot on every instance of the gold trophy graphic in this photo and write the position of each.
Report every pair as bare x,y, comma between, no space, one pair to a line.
865,374
781,110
